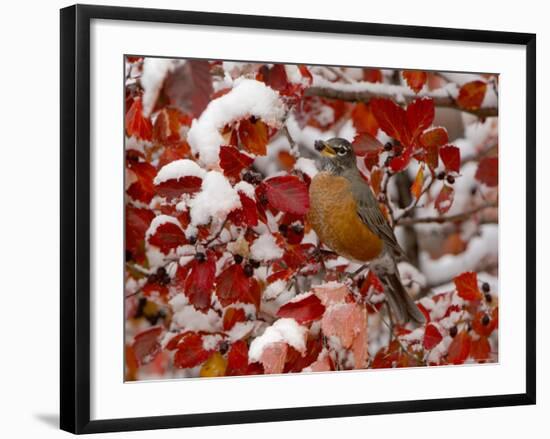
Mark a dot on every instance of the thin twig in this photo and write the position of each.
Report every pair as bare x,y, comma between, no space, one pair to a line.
407,211
292,143
217,235
449,218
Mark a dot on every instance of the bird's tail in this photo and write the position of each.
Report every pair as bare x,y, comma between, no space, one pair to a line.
401,304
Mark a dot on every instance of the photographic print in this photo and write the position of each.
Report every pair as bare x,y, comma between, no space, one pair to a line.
285,218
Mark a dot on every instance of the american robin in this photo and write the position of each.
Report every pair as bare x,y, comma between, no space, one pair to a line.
347,218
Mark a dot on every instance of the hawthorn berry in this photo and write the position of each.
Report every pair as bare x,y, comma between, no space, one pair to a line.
192,240
388,146
488,297
238,259
453,331
254,263
441,175
450,179
485,320
283,228
486,287
297,228
199,256
248,270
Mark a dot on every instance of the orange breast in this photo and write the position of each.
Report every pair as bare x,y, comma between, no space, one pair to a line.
333,216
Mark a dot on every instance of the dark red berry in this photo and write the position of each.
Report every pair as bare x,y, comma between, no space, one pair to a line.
248,270
388,146
453,331
192,240
128,255
441,175
486,287
254,263
485,320
450,179
488,298
297,228
223,347
199,256
238,259
252,177
161,271
283,228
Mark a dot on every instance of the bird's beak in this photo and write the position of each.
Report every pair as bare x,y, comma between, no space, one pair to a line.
324,148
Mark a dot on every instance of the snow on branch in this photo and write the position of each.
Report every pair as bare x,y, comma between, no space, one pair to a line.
247,98
365,91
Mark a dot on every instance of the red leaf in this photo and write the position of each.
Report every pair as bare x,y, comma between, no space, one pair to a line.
416,188
142,189
420,115
459,348
471,95
190,351
303,311
487,171
136,124
275,77
146,345
368,146
174,151
450,155
432,140
444,199
287,193
189,86
247,214
254,136
401,161
365,143
480,349
391,118
363,119
432,337
466,286
296,362
175,188
233,162
232,316
232,286
415,79
273,357
167,126
137,223
167,236
484,324
237,359
372,75
200,281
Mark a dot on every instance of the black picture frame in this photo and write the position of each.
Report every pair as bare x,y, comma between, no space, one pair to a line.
75,217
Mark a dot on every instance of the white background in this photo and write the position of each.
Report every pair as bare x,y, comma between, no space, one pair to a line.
29,324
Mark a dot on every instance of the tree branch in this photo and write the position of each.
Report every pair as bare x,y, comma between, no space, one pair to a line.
449,218
394,92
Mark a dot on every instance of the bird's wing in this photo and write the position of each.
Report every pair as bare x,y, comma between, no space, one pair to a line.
369,211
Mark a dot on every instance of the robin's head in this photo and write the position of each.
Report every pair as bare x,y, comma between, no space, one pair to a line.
337,154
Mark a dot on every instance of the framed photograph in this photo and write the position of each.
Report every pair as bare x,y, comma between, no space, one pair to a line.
268,219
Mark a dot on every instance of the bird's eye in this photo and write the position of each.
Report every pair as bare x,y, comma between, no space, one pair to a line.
341,151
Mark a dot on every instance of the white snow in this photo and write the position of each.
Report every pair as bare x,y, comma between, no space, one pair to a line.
158,221
285,330
154,72
215,200
307,166
178,169
188,318
248,98
480,248
265,248
273,290
245,188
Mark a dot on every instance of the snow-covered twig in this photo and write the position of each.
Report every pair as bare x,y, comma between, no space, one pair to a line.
394,92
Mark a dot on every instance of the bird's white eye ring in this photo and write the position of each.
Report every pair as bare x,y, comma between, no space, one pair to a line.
341,151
